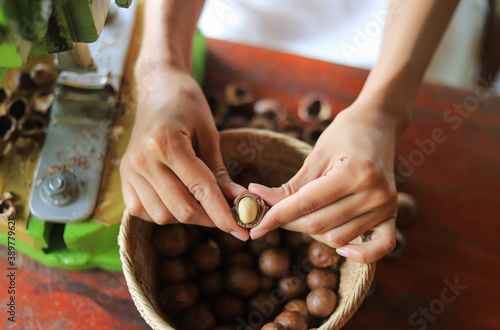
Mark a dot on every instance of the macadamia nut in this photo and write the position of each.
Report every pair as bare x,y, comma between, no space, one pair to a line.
248,209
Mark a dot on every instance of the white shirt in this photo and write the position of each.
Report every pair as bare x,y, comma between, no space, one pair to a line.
347,32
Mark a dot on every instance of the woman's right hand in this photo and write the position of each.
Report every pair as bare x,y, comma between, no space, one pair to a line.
172,170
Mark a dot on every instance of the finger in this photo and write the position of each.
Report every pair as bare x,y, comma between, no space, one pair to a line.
334,186
153,205
177,199
271,196
382,241
353,228
310,171
201,183
336,214
133,203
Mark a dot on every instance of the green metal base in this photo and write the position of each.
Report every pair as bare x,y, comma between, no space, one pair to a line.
87,245
76,247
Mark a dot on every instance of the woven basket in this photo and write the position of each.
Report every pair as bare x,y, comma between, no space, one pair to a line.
277,158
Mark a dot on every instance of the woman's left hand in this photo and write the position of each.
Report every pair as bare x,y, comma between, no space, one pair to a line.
345,187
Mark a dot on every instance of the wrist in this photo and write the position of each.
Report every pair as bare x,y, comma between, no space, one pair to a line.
157,69
393,100
169,29
387,115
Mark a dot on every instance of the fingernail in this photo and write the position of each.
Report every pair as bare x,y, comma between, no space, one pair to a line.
259,233
236,188
343,252
240,236
256,186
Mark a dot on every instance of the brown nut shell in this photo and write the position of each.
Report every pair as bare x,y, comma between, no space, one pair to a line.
267,107
43,75
306,238
312,132
314,108
172,270
7,208
407,209
211,283
293,286
322,277
260,212
292,320
269,240
35,128
298,305
177,297
275,262
170,240
237,95
266,283
322,255
274,326
19,108
4,94
321,302
198,317
264,302
23,80
242,281
8,128
207,256
400,246
42,100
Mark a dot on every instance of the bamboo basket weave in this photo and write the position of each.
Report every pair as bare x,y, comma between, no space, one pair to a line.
277,158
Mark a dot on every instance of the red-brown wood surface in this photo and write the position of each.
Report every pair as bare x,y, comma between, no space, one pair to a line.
454,240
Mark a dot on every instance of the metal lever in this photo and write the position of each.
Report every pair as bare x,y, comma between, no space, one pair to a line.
70,166
69,171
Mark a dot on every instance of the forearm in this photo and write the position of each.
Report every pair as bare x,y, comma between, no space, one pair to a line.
169,27
413,31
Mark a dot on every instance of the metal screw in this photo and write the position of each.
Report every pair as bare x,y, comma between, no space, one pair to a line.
59,189
57,185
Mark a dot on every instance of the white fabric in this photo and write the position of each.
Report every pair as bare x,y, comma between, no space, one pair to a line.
347,32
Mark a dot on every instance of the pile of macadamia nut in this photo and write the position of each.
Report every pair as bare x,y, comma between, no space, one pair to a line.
211,280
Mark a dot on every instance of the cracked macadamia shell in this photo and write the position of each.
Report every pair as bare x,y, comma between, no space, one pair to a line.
248,210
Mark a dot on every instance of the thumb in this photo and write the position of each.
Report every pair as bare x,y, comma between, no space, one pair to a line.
270,195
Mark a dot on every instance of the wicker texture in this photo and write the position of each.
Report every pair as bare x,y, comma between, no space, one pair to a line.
277,158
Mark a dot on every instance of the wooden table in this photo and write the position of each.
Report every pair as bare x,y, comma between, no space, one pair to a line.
449,273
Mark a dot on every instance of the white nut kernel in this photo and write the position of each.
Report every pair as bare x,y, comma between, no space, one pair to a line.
248,208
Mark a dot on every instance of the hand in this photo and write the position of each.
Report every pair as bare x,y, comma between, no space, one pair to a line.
345,188
172,170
